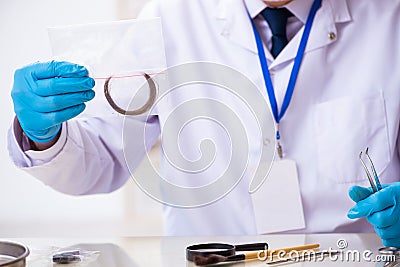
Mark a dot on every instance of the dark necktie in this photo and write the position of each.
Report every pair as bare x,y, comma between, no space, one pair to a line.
277,20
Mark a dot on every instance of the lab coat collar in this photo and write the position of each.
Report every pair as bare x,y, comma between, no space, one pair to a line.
237,26
323,32
300,8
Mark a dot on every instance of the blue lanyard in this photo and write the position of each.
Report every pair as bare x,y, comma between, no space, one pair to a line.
295,71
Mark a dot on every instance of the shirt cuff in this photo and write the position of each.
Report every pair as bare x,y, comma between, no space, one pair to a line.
44,156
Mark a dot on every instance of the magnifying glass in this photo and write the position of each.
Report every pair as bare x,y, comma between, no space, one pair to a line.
221,249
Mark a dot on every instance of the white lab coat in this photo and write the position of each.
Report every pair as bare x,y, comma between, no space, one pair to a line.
346,98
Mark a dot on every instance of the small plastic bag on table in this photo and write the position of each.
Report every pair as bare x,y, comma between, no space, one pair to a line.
78,257
54,256
122,56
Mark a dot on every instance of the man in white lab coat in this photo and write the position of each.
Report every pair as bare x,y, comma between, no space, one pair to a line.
345,99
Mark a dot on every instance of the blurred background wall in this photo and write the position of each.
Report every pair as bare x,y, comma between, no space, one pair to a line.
27,207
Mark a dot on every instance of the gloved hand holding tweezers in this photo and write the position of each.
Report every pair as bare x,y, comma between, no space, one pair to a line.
380,205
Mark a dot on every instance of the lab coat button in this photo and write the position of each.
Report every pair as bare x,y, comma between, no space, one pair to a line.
225,33
332,36
267,142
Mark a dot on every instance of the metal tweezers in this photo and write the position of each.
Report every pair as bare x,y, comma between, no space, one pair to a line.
375,183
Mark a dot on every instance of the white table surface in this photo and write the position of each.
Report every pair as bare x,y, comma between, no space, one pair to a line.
170,251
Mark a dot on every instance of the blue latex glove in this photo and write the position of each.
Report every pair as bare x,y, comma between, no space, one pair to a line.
47,94
382,210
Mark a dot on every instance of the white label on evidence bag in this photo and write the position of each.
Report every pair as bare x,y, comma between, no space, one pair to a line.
277,203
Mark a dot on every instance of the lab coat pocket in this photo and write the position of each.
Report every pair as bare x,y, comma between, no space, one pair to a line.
344,128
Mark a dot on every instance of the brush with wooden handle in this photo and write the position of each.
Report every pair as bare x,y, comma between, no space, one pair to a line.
215,258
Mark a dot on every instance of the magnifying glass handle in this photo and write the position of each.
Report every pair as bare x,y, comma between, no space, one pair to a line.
251,247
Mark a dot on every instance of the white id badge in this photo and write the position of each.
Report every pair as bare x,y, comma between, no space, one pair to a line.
277,203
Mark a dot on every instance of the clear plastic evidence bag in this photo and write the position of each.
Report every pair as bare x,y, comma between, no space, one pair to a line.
124,57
